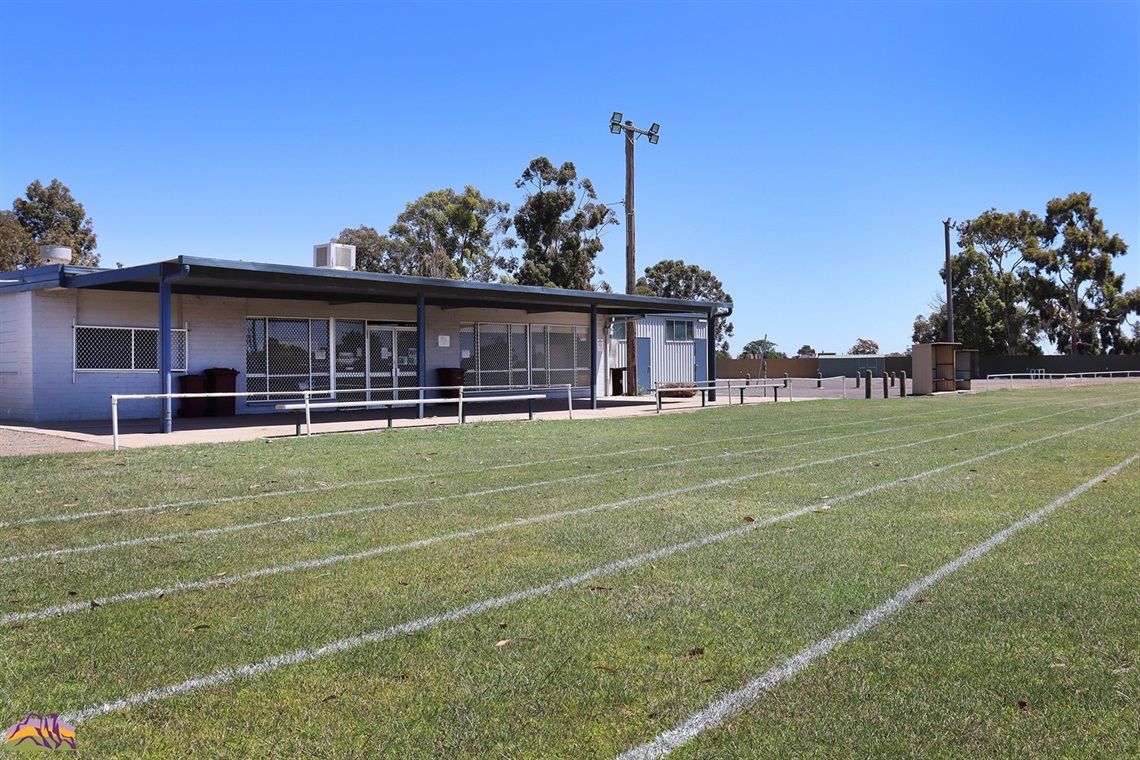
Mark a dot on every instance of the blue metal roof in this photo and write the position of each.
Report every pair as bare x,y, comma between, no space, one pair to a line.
220,277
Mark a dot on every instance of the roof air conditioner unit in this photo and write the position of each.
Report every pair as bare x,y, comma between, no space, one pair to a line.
334,256
55,254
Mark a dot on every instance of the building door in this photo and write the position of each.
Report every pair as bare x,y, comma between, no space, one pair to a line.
700,361
392,362
644,370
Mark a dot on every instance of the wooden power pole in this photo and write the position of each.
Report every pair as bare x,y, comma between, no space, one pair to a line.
630,264
629,133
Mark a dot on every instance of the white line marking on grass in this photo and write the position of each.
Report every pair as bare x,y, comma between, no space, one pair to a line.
310,564
754,690
474,470
298,656
204,532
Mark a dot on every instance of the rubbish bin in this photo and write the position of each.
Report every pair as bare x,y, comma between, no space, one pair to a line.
617,377
451,376
192,407
221,380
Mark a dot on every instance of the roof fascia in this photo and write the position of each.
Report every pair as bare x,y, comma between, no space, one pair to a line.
32,278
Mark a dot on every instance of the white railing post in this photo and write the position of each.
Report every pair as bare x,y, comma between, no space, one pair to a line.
308,416
570,399
114,422
460,405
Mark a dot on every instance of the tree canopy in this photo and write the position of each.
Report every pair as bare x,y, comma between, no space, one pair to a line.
559,225
864,346
761,347
17,249
991,282
673,278
457,236
1019,276
806,351
1077,295
46,216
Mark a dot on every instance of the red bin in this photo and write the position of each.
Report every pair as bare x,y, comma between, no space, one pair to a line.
221,380
192,407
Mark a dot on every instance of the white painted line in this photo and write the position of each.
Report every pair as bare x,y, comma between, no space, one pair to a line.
227,675
727,706
310,564
205,532
489,468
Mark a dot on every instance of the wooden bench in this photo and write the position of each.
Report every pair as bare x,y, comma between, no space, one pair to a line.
299,409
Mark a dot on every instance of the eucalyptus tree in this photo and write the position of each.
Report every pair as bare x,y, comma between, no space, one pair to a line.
673,278
1075,292
559,226
49,216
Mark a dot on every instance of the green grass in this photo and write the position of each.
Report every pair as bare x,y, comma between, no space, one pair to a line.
1029,651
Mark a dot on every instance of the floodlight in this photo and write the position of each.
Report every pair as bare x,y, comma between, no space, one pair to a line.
653,138
655,128
616,118
615,127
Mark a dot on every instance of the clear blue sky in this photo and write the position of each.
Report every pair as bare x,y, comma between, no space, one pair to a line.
808,153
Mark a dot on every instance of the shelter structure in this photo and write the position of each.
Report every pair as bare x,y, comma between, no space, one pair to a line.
935,369
72,336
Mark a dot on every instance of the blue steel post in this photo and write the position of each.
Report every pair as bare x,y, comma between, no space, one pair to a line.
164,350
712,355
594,356
421,348
164,353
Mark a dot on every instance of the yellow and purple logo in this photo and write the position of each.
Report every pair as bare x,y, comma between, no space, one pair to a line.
39,732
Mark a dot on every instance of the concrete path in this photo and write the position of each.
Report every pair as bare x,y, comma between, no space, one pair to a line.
93,435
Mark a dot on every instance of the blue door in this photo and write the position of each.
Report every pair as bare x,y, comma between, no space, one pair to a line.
700,361
644,378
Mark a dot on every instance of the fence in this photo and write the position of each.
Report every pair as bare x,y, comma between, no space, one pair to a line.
1037,377
462,396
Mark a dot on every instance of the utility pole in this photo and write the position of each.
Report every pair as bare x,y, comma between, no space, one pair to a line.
630,134
949,288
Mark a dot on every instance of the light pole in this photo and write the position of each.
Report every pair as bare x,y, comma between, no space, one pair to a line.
631,134
949,289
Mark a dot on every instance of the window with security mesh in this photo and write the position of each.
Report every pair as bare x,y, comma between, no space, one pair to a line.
518,355
285,356
125,349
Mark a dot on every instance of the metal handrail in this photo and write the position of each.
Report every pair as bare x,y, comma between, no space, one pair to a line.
307,396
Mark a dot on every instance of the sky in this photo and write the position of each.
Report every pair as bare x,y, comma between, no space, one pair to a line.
809,151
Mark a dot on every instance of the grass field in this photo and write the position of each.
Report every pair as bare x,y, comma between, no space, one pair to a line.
921,577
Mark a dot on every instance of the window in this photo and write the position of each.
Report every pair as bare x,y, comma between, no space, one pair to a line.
125,349
678,330
524,355
619,330
286,355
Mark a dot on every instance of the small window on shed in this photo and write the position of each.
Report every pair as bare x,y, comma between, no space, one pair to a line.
619,330
678,330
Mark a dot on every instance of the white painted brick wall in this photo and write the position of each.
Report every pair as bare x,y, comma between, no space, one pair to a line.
16,356
216,339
